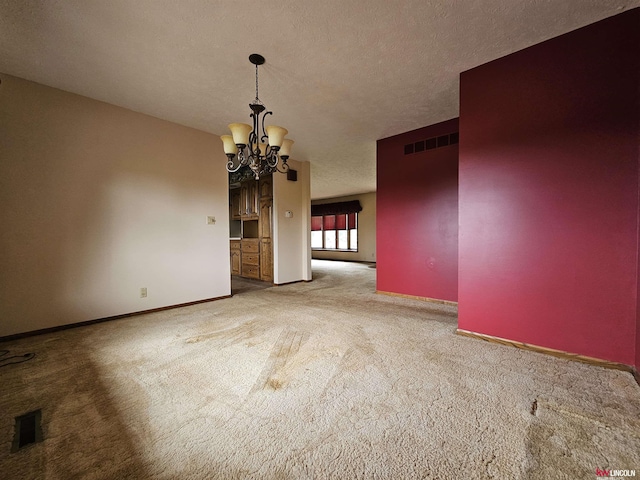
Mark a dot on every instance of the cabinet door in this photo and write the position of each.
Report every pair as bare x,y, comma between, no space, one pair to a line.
249,199
266,260
244,199
235,262
253,198
265,217
266,186
236,209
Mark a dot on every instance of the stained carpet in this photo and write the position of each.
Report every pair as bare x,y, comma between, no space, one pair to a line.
312,380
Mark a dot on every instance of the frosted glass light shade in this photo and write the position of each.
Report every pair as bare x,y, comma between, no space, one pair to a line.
240,132
286,147
229,145
276,135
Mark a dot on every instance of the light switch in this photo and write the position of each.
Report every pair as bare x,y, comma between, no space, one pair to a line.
288,214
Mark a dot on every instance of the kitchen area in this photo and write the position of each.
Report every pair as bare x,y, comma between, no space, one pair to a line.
250,226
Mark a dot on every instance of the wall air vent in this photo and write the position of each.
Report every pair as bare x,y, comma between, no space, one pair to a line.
431,143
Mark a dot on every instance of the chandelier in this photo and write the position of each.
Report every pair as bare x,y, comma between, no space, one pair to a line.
258,147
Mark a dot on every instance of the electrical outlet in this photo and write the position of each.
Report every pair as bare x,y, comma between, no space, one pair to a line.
143,292
211,220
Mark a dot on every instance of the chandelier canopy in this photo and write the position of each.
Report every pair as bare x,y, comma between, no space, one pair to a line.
263,149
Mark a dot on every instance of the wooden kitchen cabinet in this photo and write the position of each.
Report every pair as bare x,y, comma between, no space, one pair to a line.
252,203
249,200
250,257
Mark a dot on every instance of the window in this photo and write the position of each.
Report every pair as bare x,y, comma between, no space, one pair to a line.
335,231
334,226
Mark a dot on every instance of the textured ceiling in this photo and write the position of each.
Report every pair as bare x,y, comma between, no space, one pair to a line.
339,75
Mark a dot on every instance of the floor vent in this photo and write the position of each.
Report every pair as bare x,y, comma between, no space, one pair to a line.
28,430
431,143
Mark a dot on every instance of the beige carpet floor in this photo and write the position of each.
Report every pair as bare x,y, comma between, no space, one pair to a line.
312,380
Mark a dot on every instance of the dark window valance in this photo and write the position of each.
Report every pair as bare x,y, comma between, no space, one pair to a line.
336,208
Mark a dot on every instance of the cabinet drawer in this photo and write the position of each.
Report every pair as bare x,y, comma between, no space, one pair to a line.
251,271
235,244
251,258
250,247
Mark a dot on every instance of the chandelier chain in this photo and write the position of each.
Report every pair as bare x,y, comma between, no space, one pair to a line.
257,98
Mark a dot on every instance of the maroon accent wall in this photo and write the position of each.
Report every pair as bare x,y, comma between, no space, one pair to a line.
548,241
637,364
417,216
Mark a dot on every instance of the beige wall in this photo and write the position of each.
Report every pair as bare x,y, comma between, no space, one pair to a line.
366,230
97,202
292,235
